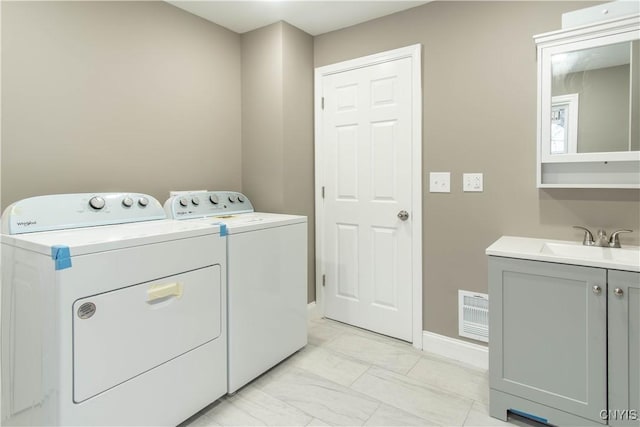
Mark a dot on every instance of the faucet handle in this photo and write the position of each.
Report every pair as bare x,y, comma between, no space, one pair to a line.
588,237
614,241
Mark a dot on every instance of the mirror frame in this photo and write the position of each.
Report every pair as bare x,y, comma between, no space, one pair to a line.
621,169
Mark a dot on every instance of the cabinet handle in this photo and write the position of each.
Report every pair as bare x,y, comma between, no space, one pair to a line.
618,292
597,289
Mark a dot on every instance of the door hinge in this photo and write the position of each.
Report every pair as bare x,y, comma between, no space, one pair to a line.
324,280
323,191
322,103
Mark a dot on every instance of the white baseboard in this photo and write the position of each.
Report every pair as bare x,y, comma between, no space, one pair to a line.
313,311
463,351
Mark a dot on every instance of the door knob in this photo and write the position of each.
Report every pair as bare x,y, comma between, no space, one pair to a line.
597,289
618,292
403,215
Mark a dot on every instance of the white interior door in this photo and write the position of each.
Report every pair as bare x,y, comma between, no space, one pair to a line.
367,138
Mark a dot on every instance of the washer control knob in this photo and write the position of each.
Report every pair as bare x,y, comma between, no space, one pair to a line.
213,199
241,198
195,201
184,202
143,202
127,202
233,198
97,202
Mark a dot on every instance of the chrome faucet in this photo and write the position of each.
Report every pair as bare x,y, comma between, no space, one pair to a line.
611,242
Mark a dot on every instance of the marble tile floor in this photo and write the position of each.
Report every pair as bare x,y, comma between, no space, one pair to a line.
347,376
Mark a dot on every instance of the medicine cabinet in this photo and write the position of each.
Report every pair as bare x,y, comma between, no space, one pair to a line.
589,105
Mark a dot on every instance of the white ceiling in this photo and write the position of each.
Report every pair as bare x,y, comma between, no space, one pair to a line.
311,16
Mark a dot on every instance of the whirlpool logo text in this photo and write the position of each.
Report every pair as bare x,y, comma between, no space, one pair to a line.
26,223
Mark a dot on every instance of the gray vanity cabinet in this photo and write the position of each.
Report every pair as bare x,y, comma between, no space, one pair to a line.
548,342
624,348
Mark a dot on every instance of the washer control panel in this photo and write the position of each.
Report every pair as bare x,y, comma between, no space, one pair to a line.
66,211
202,204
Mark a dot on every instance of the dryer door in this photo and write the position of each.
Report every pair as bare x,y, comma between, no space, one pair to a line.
123,333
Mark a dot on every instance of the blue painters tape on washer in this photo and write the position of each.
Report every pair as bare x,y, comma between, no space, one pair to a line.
223,229
61,255
531,417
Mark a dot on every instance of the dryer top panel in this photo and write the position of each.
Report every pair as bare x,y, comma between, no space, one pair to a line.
203,204
67,211
83,241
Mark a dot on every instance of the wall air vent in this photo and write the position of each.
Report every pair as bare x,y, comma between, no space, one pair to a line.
473,315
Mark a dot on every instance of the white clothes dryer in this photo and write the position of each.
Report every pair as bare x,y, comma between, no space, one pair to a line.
266,279
111,313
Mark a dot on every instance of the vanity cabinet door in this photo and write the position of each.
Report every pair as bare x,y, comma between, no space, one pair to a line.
624,348
548,340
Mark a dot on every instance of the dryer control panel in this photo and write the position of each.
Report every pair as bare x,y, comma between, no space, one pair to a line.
202,204
66,211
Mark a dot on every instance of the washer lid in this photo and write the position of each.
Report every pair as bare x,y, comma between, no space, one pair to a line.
82,241
242,223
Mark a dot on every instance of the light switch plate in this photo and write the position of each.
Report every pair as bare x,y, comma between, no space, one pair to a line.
440,182
472,182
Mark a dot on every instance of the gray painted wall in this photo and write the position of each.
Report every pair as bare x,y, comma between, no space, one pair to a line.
277,125
101,96
262,121
479,115
298,185
117,96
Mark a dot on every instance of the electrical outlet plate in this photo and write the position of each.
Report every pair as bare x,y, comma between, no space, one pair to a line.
440,182
472,182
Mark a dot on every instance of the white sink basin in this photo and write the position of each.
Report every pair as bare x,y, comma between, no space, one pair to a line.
621,255
567,252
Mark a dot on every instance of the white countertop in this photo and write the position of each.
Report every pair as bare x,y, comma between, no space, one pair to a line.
566,252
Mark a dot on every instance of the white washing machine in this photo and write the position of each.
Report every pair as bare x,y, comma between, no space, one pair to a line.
266,279
111,313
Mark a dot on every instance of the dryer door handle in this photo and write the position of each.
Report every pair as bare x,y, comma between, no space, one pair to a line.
163,291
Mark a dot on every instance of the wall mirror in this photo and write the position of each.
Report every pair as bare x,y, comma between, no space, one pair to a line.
589,106
594,100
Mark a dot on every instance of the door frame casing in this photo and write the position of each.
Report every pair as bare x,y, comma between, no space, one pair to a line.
413,52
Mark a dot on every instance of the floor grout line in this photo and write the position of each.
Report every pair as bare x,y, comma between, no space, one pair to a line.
373,413
468,412
412,367
360,376
321,360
